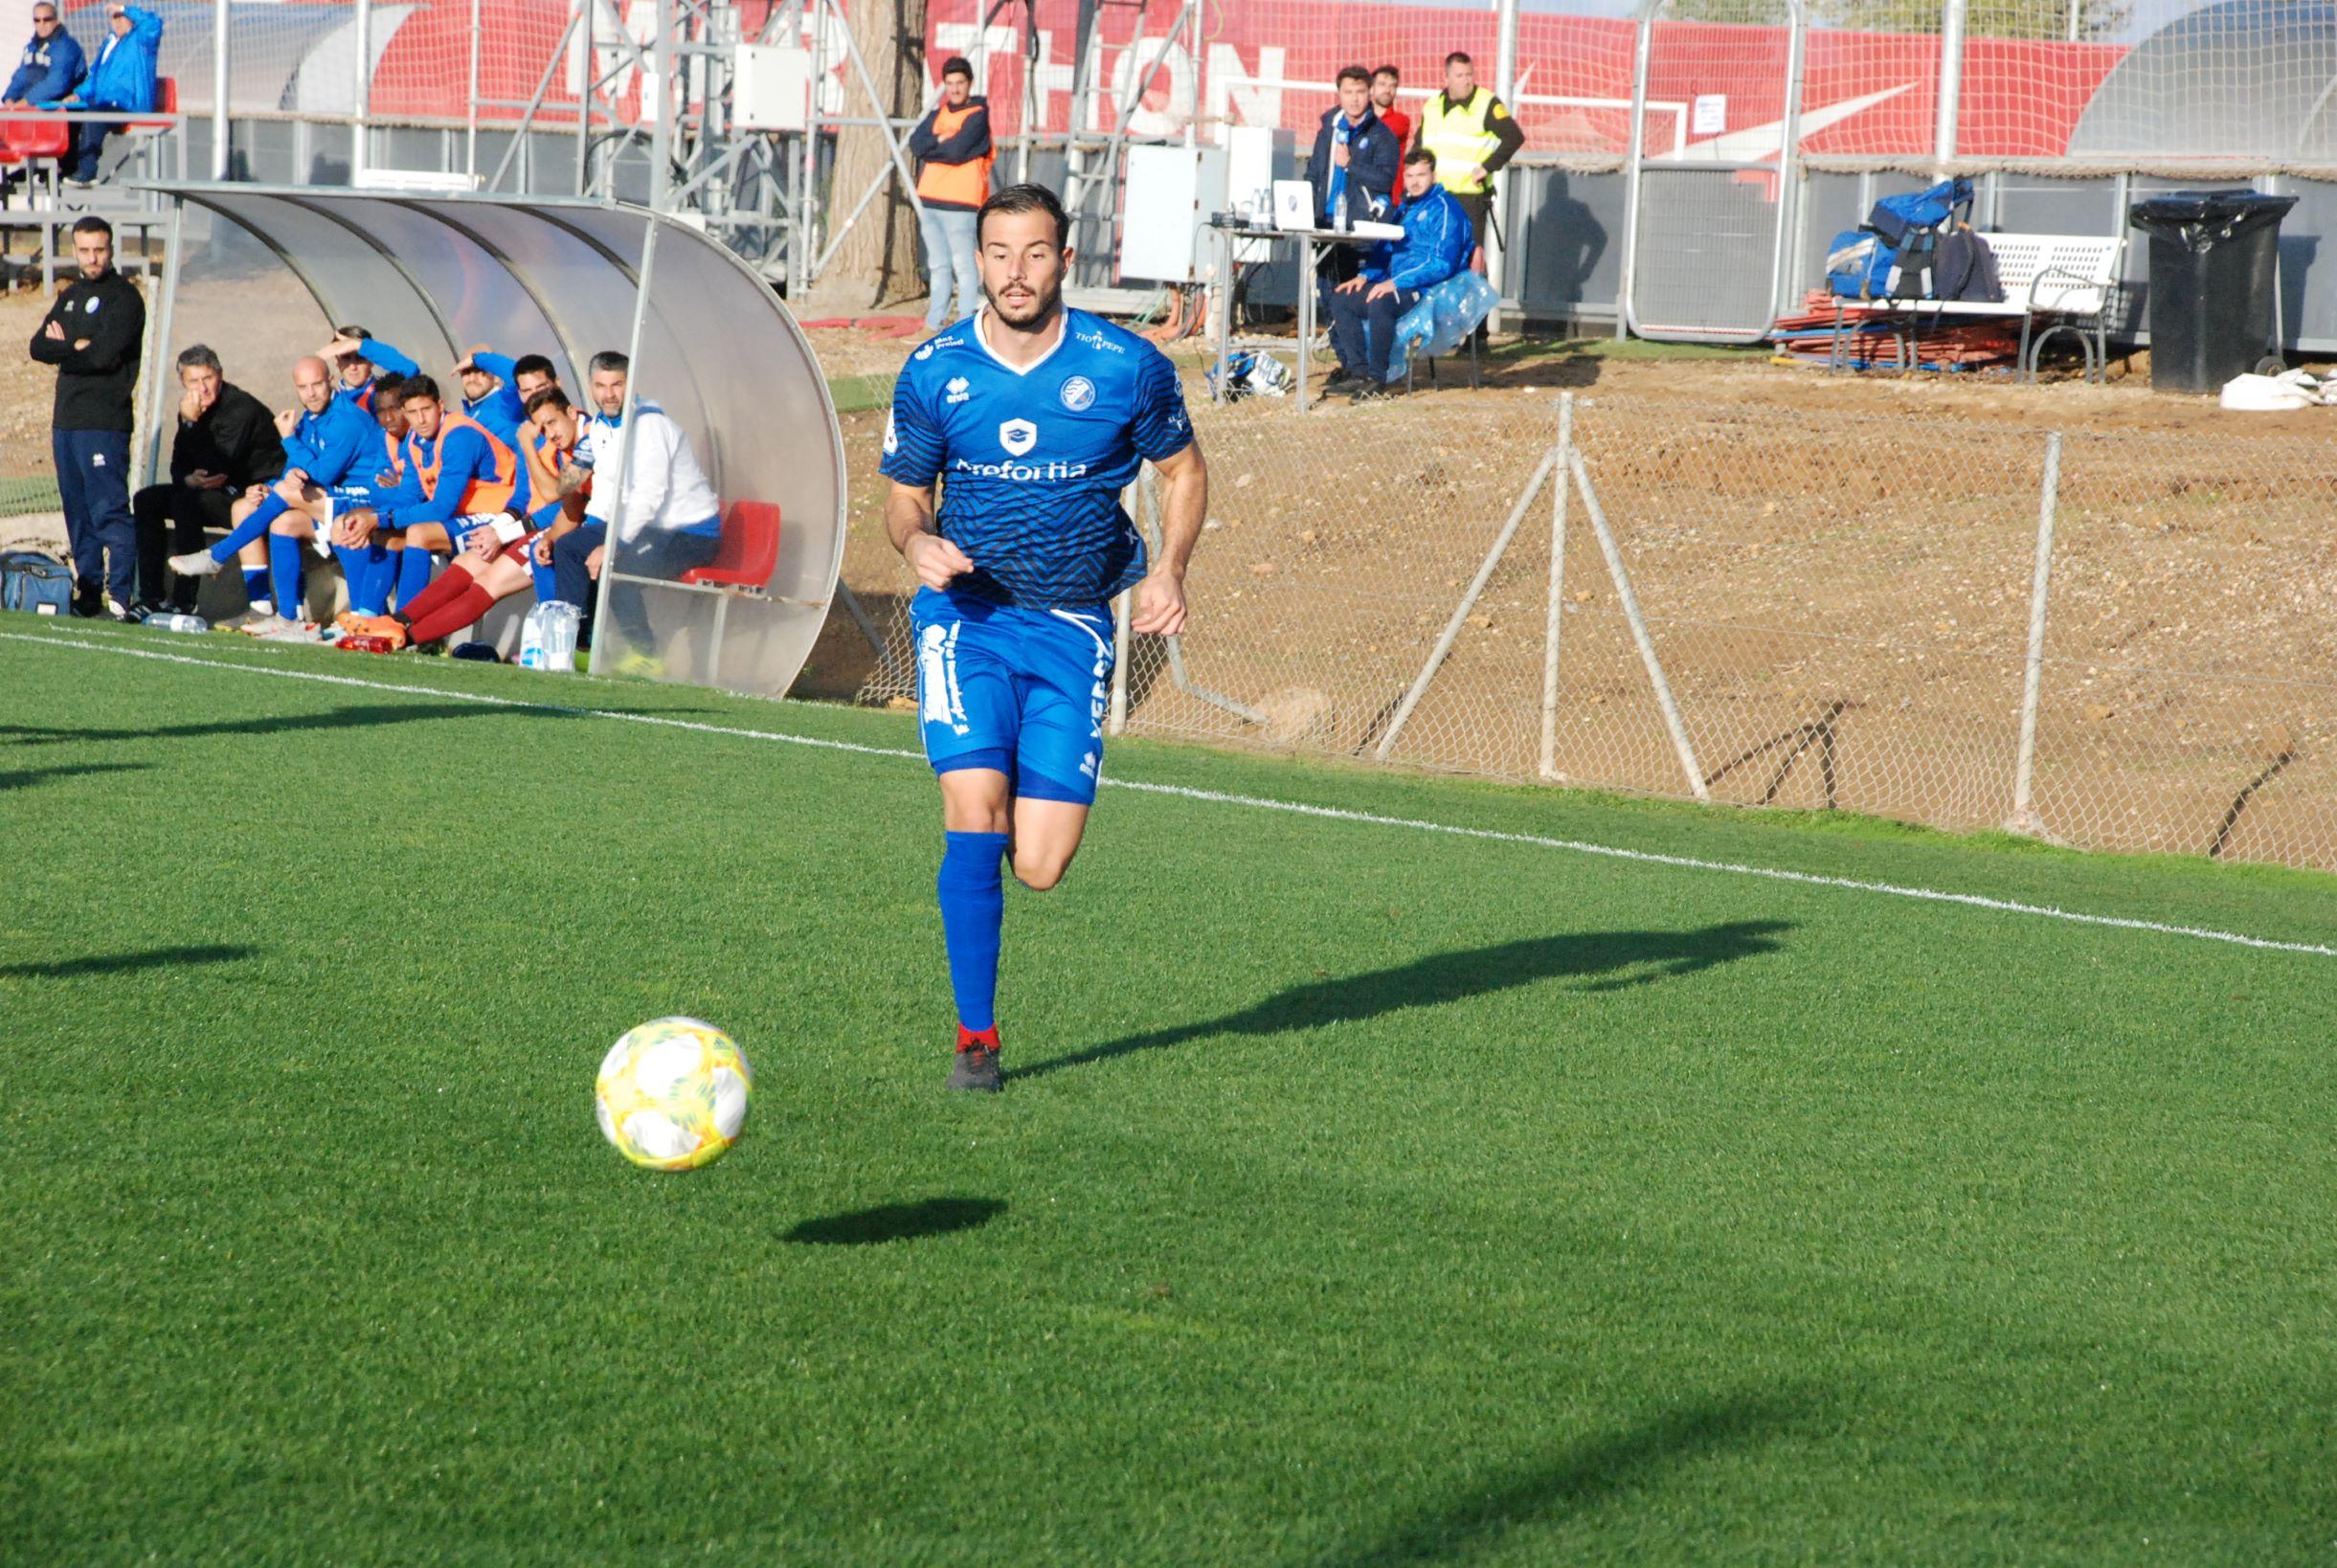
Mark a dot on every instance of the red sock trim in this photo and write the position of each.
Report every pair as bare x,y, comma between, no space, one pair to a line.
435,624
986,1039
446,586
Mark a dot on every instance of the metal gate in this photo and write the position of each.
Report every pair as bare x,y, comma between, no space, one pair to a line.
1712,174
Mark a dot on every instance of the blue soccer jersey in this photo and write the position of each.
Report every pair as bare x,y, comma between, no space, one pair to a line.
1032,461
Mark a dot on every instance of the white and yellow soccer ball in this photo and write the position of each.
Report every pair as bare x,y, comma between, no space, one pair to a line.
673,1094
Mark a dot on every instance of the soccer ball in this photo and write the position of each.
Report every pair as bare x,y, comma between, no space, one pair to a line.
673,1094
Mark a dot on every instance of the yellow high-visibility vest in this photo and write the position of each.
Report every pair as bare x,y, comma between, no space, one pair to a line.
1461,137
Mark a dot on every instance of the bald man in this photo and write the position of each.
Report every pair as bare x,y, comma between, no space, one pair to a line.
332,450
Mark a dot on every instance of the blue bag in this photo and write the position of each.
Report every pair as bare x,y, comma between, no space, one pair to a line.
1890,256
35,581
1442,317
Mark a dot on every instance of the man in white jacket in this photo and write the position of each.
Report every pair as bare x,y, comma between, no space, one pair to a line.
669,520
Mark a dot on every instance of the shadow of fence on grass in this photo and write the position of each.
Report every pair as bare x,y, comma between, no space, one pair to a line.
360,717
1624,959
117,963
1579,1478
24,778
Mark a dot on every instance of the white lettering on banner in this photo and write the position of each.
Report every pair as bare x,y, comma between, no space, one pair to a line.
979,46
1152,111
1243,97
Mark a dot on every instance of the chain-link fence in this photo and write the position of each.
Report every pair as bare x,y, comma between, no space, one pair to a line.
1838,614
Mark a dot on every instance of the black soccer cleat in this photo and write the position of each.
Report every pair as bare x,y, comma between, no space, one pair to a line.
977,1072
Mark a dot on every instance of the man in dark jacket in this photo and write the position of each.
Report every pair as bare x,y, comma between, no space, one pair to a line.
51,65
92,334
226,455
1353,170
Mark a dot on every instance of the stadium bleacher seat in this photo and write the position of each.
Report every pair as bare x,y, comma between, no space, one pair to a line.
750,549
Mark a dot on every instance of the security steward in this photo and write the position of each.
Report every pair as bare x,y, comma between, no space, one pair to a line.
1473,135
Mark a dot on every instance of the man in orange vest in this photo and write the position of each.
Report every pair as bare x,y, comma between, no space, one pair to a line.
951,146
454,470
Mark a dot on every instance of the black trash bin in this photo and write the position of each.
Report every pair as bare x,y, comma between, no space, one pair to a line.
2213,265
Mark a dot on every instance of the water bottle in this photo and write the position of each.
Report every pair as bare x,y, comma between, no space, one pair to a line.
1339,212
179,623
547,639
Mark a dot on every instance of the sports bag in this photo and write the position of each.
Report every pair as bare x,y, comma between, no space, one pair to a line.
36,581
1891,255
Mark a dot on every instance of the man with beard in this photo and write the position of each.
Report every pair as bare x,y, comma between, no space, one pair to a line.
1034,418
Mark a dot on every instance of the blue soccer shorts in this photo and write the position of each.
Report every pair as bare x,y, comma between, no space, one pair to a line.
349,498
1021,692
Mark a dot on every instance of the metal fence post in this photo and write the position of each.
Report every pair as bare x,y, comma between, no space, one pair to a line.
361,96
2024,768
1547,765
1460,612
219,90
1680,744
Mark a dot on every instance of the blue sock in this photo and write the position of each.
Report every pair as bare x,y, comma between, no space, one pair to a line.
366,571
249,529
285,573
972,908
413,573
256,585
546,585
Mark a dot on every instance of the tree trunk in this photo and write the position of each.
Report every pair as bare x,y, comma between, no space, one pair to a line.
878,258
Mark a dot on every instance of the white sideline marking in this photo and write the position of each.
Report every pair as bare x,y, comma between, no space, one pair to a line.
1296,808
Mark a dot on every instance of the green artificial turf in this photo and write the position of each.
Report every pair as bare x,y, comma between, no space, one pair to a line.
1360,1195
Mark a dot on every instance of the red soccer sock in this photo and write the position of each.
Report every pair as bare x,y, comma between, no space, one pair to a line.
443,589
986,1039
437,620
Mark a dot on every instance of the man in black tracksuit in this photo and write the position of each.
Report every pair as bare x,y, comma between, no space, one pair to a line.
93,334
227,448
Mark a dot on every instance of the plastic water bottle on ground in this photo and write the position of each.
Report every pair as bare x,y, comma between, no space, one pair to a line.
547,639
179,623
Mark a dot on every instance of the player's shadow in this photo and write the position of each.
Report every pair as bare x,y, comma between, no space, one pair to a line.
23,778
897,1221
360,717
1577,1480
1619,960
116,963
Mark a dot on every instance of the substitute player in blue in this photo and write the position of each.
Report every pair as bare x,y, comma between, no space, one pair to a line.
1033,419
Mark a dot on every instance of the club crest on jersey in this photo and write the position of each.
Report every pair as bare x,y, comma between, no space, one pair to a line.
1018,437
1078,394
958,390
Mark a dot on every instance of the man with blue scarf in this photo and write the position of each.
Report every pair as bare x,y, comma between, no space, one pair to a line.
1353,170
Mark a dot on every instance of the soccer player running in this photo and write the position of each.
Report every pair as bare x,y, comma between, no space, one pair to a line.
1035,417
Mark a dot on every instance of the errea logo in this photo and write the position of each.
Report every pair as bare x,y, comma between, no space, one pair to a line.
958,390
1018,437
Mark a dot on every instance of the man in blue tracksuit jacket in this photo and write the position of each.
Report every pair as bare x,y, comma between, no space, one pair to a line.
50,66
1437,240
124,78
